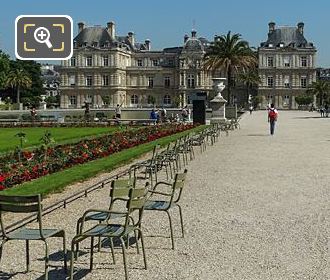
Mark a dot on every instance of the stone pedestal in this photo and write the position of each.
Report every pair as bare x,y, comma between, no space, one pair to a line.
218,103
43,104
218,106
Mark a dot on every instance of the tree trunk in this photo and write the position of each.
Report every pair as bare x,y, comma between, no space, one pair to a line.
229,86
247,93
18,95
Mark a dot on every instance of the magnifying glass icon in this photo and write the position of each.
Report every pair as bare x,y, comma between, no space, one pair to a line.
41,35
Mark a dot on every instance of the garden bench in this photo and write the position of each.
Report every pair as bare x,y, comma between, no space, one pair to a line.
131,121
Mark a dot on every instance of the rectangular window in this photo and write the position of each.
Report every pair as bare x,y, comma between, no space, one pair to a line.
303,61
191,81
286,61
139,62
73,100
167,82
155,62
72,80
286,81
150,82
182,79
198,79
105,60
73,61
170,62
270,81
270,61
105,80
89,81
303,81
89,61
286,100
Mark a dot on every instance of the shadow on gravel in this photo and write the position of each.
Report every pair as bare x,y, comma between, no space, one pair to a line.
55,257
257,135
5,275
55,274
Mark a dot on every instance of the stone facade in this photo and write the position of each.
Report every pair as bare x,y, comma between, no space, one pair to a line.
286,66
107,69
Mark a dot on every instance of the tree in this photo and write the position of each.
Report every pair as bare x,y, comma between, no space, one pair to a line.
18,78
4,68
321,89
304,99
229,53
250,78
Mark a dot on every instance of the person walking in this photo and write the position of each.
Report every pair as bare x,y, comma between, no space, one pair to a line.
272,118
326,110
251,109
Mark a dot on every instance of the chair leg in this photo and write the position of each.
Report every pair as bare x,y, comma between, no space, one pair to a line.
136,242
92,254
181,219
112,251
143,250
65,258
72,260
46,260
1,248
27,255
124,257
171,228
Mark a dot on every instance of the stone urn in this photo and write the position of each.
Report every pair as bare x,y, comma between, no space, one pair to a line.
218,103
43,103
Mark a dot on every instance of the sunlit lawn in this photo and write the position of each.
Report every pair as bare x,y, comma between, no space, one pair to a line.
8,140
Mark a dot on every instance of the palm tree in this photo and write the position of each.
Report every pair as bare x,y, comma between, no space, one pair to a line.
320,89
250,78
18,78
229,53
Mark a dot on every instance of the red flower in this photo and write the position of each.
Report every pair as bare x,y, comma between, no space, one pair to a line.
2,187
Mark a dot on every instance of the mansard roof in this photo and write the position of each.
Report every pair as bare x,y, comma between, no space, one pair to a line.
100,35
286,37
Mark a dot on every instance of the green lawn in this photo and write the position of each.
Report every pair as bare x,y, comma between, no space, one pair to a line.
8,141
59,180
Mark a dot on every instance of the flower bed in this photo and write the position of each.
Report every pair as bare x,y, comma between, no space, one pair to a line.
43,161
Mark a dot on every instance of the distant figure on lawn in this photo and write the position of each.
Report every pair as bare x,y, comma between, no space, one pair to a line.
118,111
153,115
87,111
326,110
272,118
33,113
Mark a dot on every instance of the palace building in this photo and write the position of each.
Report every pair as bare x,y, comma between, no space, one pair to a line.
107,69
286,65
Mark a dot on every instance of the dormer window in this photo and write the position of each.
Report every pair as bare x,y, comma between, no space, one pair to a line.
270,45
281,45
94,44
155,62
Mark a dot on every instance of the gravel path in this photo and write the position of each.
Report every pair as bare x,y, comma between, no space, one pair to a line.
255,207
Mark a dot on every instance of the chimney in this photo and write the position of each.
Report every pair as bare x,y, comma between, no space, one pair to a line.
271,27
148,45
111,29
193,33
185,38
300,26
131,38
81,26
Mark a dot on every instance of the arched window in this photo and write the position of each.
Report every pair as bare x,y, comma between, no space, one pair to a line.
134,99
167,100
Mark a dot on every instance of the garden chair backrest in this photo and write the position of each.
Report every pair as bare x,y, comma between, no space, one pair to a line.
178,184
137,200
21,204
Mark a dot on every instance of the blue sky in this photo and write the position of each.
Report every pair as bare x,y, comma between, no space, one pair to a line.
166,22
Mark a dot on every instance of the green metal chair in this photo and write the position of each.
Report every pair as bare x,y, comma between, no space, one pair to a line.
28,204
173,197
135,202
100,217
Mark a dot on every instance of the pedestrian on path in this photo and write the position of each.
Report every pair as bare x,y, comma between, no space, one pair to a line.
251,109
272,118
